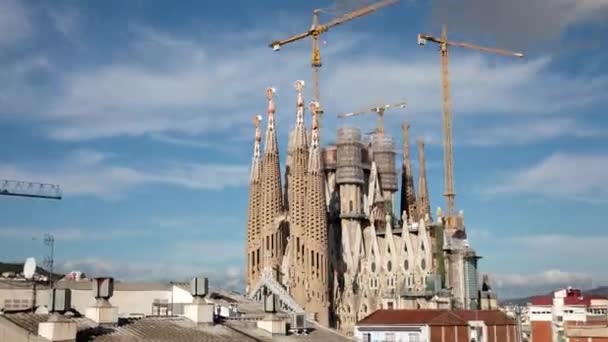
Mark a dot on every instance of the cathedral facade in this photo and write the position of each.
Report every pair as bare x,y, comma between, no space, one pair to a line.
329,238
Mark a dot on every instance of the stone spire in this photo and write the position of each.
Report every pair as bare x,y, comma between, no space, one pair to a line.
316,247
272,237
423,203
297,201
408,195
253,213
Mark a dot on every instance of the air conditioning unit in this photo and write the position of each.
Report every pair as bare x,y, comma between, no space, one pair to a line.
298,323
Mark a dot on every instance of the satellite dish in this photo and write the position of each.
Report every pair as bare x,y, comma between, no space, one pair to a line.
29,268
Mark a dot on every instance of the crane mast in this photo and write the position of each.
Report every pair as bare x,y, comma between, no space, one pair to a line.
315,32
29,189
448,155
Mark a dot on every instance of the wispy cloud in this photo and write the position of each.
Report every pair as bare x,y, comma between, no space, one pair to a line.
504,21
514,285
86,172
579,177
217,84
524,132
14,22
69,234
225,277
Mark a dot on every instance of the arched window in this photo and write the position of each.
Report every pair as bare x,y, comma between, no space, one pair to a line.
406,264
389,266
423,264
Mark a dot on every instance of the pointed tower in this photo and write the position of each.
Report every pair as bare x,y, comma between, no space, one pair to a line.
297,202
253,213
316,246
423,203
408,196
271,206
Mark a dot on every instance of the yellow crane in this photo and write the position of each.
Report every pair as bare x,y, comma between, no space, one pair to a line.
378,110
448,159
315,32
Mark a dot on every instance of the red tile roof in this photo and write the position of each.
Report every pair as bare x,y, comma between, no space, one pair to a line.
412,317
543,301
436,317
489,317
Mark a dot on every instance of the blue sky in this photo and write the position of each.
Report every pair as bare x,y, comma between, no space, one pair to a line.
142,111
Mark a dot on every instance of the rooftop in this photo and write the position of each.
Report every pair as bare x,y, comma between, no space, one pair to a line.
436,317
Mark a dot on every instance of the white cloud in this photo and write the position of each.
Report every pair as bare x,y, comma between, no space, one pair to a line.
69,234
87,172
530,131
519,23
220,276
14,22
564,175
517,285
553,277
184,85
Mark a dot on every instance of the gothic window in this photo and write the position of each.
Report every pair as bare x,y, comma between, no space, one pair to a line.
406,264
389,266
423,264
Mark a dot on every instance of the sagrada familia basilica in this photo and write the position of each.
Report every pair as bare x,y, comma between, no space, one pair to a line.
329,238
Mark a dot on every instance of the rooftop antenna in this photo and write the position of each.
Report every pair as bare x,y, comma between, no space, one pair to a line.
29,268
49,240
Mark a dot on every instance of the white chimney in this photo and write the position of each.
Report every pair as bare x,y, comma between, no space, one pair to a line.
271,322
200,312
58,327
102,312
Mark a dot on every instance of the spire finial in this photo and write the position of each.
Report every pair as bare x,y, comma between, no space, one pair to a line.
256,122
270,91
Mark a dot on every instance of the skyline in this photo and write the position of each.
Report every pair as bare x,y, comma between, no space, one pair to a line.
142,113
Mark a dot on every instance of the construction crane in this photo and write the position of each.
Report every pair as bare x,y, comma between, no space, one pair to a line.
29,189
448,160
378,110
315,32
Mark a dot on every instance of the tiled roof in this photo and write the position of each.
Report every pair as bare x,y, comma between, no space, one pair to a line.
489,317
413,317
542,301
436,317
87,329
179,329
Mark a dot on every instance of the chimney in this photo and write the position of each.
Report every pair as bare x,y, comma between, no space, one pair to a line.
102,312
200,312
58,327
272,323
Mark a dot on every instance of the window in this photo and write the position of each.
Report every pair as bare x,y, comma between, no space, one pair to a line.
406,265
389,266
350,206
367,337
373,267
389,337
389,305
414,337
423,264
